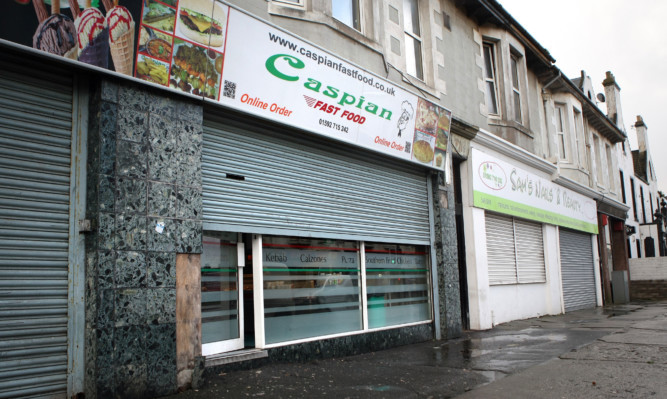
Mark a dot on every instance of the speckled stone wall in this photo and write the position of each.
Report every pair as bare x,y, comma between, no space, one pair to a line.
447,259
144,198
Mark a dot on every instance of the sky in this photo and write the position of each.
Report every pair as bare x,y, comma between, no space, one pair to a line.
622,36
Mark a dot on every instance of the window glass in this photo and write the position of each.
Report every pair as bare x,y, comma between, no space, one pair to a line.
311,287
560,129
219,287
413,45
490,77
347,12
397,284
413,57
579,133
516,92
411,17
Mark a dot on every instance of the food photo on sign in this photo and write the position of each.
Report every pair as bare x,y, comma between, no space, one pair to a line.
99,33
181,45
432,124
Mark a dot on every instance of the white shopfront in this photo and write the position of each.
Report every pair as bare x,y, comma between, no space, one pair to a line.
518,218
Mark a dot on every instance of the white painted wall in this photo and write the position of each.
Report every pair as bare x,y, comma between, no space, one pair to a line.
648,268
490,305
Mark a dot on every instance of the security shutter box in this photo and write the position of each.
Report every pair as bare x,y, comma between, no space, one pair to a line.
35,133
259,179
577,270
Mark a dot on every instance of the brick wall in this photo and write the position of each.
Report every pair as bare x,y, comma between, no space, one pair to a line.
648,279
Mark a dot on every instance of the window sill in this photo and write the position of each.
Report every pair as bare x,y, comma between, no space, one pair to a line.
512,125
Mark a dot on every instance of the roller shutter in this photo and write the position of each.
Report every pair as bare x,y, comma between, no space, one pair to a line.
515,250
577,270
264,180
35,133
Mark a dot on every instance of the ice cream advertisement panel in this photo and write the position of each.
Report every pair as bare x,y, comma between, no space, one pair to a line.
201,47
504,188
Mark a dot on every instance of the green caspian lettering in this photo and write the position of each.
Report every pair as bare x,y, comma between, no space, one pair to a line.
293,61
316,86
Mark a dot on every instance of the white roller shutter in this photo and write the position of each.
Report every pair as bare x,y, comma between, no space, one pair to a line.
577,270
35,133
500,249
515,250
271,181
530,251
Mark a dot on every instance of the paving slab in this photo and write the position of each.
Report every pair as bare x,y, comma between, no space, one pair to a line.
638,337
566,379
606,351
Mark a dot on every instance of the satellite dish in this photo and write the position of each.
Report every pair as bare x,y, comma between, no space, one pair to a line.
600,97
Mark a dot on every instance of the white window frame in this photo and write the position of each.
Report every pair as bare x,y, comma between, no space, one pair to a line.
410,35
515,63
489,47
291,3
356,9
579,138
598,160
258,298
561,131
610,168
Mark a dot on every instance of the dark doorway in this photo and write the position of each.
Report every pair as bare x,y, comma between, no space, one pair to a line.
461,247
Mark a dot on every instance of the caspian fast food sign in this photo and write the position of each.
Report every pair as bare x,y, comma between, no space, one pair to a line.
209,49
288,80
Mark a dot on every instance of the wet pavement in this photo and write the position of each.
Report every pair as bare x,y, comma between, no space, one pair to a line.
618,351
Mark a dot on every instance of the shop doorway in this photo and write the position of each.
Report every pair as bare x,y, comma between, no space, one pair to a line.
226,285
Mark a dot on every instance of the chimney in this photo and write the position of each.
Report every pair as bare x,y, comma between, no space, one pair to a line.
640,128
612,93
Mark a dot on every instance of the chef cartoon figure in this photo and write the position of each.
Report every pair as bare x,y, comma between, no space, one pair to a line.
406,115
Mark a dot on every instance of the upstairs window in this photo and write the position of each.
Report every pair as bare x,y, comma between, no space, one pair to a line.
347,12
579,137
413,42
516,89
560,129
490,79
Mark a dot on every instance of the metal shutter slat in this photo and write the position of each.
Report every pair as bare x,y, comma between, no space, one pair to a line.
500,249
304,187
530,252
577,270
35,134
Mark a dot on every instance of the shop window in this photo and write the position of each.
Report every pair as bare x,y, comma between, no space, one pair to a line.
397,284
311,288
491,84
347,12
413,41
515,250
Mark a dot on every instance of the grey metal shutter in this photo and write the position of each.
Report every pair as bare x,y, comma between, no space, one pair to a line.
577,270
529,251
35,132
500,249
266,180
